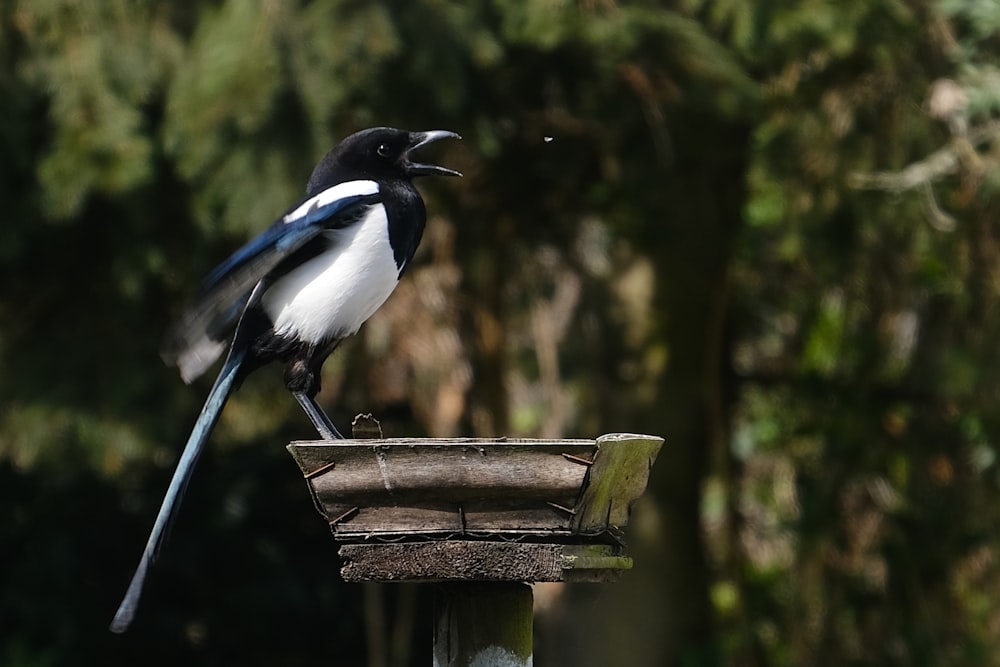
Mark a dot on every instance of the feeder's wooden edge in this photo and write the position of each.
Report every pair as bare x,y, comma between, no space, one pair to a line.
470,442
617,478
463,560
594,483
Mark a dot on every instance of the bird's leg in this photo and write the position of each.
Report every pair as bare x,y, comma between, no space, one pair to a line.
323,425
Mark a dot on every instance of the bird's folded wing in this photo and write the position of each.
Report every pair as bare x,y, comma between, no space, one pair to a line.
195,341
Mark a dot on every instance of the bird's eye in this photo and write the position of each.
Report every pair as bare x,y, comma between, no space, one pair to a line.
383,150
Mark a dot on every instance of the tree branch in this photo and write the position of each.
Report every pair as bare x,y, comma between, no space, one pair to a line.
941,162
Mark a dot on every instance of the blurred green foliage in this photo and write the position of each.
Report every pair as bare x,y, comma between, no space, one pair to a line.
767,231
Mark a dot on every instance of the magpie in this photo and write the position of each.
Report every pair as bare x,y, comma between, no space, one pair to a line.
297,290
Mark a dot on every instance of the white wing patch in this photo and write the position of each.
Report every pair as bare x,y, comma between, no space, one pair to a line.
330,195
332,295
197,357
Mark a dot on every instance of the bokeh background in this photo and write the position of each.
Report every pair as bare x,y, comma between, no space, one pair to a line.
767,231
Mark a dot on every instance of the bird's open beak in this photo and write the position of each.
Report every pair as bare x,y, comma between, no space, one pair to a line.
418,139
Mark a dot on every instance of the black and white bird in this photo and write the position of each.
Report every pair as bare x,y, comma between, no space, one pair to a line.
309,281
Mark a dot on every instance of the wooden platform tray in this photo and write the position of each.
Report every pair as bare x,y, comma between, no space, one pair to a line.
514,490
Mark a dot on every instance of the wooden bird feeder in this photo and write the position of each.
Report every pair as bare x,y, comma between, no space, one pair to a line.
482,518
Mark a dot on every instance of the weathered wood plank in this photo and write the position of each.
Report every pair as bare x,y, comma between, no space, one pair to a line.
472,486
389,487
614,482
386,521
465,560
456,473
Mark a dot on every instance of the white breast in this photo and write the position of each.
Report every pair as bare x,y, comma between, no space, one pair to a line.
332,295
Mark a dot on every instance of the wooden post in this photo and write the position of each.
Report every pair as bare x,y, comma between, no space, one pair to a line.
483,625
479,518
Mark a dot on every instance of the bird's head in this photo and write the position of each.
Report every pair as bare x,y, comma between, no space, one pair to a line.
380,153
